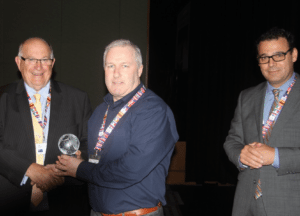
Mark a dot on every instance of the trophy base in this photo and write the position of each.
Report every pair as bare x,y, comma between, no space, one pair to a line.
72,155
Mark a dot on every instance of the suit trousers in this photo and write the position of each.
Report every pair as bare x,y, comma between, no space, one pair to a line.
159,212
257,207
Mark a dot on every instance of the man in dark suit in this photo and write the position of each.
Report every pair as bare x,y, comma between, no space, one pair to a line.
27,151
264,138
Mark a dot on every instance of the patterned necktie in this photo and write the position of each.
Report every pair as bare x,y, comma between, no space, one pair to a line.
276,100
37,194
258,191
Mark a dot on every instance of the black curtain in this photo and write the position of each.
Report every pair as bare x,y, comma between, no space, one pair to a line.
201,55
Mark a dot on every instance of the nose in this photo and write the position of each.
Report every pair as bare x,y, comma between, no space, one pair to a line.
271,62
38,64
116,72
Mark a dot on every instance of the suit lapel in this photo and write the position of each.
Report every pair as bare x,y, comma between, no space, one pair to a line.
287,112
259,108
23,107
55,107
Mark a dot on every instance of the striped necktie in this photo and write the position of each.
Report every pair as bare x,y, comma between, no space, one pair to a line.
258,191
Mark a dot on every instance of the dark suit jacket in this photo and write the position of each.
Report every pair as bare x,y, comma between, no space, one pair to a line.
280,187
70,111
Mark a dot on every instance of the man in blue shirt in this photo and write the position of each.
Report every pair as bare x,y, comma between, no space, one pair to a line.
264,138
131,137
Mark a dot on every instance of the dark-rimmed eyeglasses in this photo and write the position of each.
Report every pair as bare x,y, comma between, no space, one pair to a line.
33,61
277,57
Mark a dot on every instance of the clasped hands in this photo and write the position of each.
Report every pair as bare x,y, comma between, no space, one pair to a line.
44,177
255,155
50,176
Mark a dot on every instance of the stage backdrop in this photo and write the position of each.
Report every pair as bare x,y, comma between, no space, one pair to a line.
78,31
202,55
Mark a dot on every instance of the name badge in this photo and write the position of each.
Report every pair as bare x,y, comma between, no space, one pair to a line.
40,152
94,158
41,148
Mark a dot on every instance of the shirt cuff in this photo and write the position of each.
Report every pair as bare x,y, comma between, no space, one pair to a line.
24,180
275,164
242,166
84,171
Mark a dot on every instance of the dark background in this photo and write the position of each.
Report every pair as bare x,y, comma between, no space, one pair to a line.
202,54
198,56
78,31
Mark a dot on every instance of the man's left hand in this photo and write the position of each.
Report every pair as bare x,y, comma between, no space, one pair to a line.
267,152
68,165
58,180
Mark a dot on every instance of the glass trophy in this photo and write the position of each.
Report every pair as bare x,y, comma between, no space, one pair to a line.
68,144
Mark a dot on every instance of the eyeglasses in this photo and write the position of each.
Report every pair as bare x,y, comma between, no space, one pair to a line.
33,61
277,57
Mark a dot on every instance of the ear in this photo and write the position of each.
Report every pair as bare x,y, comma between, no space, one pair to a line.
18,61
53,61
294,55
140,70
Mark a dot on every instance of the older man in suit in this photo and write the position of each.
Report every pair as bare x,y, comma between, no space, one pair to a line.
34,113
264,138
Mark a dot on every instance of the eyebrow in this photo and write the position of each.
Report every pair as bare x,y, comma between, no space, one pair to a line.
46,57
264,54
118,63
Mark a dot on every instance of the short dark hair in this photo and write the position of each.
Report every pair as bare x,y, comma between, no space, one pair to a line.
275,33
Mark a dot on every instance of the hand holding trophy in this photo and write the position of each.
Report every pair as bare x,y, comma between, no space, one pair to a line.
68,144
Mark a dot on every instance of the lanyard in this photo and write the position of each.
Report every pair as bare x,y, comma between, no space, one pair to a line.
277,110
35,112
102,136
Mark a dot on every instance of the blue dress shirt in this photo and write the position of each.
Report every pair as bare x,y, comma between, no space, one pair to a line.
135,158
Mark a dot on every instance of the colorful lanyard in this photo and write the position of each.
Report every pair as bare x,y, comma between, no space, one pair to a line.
277,110
102,136
35,112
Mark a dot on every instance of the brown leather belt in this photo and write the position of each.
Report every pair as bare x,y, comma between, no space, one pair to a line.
137,212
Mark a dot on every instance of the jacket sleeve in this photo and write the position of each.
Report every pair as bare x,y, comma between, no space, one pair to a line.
235,140
13,164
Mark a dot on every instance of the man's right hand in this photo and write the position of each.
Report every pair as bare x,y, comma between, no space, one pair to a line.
251,157
45,179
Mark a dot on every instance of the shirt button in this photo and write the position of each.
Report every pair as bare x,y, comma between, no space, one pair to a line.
254,182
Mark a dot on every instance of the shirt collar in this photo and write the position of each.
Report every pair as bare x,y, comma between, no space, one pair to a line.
282,88
109,98
43,92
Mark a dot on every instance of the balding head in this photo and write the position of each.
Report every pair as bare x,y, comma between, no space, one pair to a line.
35,62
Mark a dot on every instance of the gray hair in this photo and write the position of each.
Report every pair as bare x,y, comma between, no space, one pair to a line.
22,44
124,43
